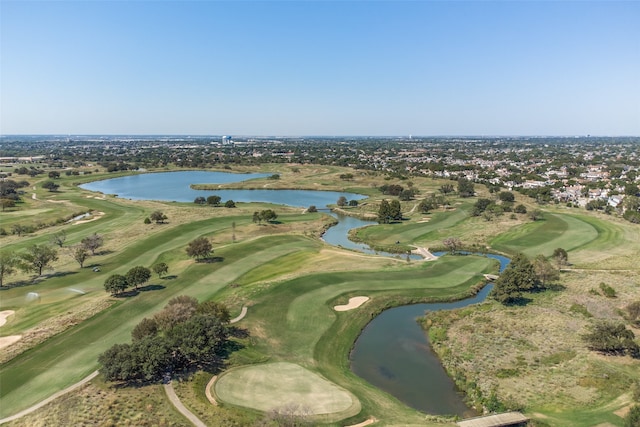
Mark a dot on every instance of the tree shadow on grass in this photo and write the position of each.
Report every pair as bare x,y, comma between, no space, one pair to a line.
151,288
518,302
36,279
211,260
169,277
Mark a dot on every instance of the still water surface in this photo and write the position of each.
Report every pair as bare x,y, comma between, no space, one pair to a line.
393,353
174,186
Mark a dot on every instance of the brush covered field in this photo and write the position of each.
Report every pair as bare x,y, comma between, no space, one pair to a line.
531,357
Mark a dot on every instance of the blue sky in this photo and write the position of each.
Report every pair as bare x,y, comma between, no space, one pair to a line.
320,67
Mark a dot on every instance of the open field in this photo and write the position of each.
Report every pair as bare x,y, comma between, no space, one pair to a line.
531,356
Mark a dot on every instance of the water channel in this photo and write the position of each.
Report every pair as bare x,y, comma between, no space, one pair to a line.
392,352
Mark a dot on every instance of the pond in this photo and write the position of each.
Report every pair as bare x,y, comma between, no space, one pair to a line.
393,353
174,186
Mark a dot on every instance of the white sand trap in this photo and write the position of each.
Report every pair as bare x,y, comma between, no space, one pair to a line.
94,216
354,302
7,341
4,315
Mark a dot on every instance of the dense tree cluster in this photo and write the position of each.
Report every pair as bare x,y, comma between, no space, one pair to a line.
612,338
183,335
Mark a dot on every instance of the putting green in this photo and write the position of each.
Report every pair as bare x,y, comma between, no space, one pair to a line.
284,386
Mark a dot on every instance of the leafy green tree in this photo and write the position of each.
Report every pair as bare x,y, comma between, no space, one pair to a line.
158,216
633,417
520,209
117,364
395,212
8,263
353,203
465,188
268,215
200,248
138,275
257,219
230,204
50,185
38,257
160,269
506,196
518,277
633,314
214,200
612,338
426,205
446,189
545,271
342,201
312,209
7,203
199,338
215,309
146,327
384,212
199,200
54,174
115,284
535,215
560,256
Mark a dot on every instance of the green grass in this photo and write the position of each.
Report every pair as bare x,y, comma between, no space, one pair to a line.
68,357
542,237
270,386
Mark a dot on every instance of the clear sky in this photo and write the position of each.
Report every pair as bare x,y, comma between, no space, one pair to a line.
320,67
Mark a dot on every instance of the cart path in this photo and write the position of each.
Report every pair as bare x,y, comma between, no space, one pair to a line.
175,401
50,398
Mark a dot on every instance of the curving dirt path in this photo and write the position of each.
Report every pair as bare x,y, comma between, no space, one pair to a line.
50,398
365,423
175,401
243,313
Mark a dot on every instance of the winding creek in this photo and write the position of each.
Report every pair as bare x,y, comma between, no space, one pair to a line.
392,352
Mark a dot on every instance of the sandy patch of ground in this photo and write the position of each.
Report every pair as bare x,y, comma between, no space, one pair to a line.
7,341
622,412
94,216
365,423
4,315
354,302
207,390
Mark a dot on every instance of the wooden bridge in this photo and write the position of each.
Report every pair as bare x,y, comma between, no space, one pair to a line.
497,420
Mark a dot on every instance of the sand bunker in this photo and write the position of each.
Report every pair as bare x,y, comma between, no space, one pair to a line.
94,216
4,315
7,341
354,302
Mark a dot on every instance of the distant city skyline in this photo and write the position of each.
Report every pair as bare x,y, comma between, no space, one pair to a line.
320,68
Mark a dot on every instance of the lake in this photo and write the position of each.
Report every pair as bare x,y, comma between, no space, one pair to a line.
174,186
